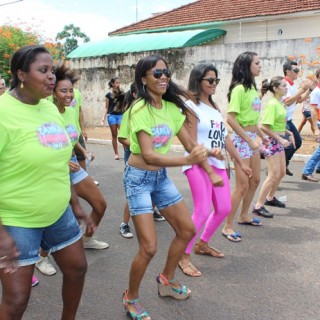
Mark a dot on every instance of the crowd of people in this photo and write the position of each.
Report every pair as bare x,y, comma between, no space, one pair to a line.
42,126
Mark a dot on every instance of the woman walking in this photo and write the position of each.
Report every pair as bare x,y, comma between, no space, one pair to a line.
207,128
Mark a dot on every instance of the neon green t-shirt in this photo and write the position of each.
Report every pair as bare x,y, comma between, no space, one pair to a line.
161,124
124,126
34,172
275,115
71,125
246,104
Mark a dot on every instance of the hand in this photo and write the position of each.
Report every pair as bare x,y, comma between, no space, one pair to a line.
84,134
308,84
292,140
216,152
216,179
8,252
198,154
246,169
73,166
285,143
254,145
102,122
83,219
265,140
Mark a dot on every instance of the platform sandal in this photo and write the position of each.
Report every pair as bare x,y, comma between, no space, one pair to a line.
141,314
166,289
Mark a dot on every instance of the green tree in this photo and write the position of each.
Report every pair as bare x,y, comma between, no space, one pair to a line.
71,35
11,39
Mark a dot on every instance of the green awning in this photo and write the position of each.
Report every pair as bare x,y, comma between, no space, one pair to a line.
145,42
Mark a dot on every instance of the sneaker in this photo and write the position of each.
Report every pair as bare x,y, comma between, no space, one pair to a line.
275,203
263,212
92,243
34,281
309,178
288,172
125,230
45,266
96,182
157,216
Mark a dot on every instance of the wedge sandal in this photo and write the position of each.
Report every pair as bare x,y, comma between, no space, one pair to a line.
141,314
166,289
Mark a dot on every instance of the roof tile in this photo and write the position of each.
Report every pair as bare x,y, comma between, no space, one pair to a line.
204,11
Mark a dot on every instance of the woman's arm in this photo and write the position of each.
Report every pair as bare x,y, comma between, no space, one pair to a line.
267,130
235,126
235,156
105,112
124,141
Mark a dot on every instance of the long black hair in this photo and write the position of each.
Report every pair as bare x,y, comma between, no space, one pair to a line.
22,59
195,78
173,94
241,73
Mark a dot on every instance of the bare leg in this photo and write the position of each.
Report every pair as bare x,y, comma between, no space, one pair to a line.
281,164
311,125
126,214
114,134
147,238
302,123
255,165
241,188
16,290
73,264
87,190
180,220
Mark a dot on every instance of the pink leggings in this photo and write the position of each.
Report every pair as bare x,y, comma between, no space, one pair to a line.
205,195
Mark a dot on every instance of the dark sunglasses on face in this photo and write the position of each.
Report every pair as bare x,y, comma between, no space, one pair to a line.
296,70
212,80
159,72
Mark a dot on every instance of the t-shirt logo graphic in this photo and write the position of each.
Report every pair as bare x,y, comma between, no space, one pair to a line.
72,133
161,135
256,105
52,136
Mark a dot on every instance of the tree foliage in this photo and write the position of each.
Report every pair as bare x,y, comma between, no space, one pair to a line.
71,35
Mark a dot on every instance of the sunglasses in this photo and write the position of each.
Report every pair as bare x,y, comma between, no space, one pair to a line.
159,72
296,70
212,80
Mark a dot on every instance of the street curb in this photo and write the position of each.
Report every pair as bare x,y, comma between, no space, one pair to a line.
179,148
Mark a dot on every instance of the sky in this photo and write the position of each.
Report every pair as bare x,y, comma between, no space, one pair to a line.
94,17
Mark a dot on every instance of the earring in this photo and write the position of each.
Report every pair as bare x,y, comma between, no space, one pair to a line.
21,85
144,87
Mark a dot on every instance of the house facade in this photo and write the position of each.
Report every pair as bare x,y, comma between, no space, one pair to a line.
274,30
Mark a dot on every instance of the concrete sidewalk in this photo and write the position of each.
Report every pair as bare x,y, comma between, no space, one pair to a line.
102,135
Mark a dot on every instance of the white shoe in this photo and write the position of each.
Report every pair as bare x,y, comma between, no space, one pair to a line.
91,243
45,266
125,230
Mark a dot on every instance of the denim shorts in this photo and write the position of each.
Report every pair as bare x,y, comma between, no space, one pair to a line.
114,119
64,232
273,147
79,175
307,114
242,145
144,188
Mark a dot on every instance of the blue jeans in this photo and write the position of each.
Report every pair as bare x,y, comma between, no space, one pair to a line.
290,151
312,163
64,232
145,187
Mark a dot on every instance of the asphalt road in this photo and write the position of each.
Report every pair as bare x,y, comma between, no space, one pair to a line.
272,274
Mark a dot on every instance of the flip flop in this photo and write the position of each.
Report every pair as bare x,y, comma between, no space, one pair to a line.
254,222
233,237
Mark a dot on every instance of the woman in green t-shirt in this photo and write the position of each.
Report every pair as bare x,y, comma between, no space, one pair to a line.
273,124
156,117
243,117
